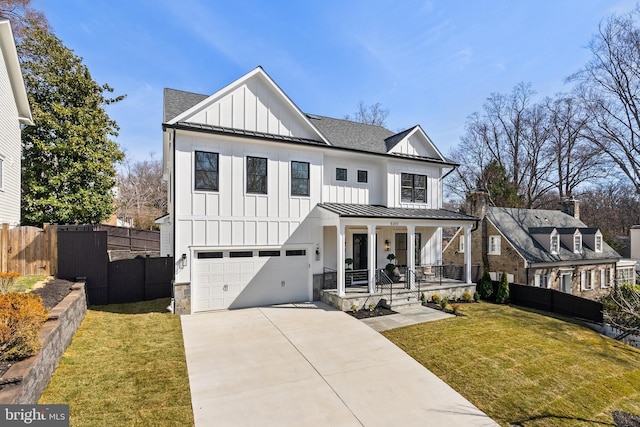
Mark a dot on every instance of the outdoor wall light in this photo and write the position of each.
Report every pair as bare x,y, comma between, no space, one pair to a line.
387,245
184,259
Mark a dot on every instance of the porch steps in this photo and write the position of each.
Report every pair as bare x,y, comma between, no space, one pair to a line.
404,299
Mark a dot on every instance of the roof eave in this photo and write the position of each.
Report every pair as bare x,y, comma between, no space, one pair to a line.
8,47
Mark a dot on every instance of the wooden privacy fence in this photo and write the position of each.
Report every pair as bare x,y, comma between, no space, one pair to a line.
29,250
555,302
121,238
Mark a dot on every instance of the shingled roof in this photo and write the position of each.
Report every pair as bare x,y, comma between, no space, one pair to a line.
340,133
516,225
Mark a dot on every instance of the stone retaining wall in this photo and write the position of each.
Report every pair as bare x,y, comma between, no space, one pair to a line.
55,336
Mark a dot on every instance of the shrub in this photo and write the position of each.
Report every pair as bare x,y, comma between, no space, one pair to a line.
7,280
476,296
21,318
355,307
485,287
422,297
503,290
466,296
455,308
435,298
444,302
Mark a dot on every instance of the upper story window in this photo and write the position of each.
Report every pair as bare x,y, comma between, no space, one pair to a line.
577,243
206,171
299,178
598,243
363,176
256,175
413,188
341,174
555,244
494,245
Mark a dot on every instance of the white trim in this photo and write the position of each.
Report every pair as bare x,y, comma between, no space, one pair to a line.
10,54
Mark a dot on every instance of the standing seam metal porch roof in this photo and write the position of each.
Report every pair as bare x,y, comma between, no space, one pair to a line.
347,210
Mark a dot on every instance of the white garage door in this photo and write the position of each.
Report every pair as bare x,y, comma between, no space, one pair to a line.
248,278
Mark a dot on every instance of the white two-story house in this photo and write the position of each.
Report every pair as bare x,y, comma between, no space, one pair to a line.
14,112
264,198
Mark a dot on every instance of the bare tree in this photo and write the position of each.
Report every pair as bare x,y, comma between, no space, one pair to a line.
511,136
609,87
21,14
576,160
142,194
622,308
372,115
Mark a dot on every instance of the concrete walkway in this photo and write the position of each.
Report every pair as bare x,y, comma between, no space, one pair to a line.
406,317
310,365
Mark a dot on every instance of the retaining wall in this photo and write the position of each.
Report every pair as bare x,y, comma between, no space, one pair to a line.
55,336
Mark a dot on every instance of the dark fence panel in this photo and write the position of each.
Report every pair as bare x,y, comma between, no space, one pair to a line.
158,276
126,281
555,301
84,254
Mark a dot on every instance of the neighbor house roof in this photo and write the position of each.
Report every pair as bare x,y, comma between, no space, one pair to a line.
518,225
177,101
347,210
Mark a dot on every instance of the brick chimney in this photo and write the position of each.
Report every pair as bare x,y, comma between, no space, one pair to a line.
570,206
477,204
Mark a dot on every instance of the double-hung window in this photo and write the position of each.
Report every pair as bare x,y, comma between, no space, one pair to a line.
577,243
299,178
256,175
206,171
598,243
413,188
494,245
555,244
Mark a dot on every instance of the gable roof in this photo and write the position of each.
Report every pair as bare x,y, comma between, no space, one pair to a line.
10,55
181,109
518,225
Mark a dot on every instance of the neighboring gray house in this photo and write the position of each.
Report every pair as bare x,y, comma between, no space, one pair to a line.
14,112
538,247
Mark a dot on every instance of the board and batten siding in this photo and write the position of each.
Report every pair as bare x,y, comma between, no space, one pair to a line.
10,151
394,172
352,191
254,106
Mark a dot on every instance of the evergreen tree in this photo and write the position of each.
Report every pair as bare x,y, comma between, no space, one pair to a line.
485,287
503,290
68,165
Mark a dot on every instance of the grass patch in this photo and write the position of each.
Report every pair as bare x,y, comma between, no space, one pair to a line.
24,283
125,366
527,369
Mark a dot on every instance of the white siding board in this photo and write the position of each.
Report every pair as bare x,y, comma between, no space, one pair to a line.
225,233
273,233
250,230
213,233
199,232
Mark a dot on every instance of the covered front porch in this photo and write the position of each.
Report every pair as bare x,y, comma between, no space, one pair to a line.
374,254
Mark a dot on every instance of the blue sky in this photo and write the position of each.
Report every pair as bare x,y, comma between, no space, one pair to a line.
431,63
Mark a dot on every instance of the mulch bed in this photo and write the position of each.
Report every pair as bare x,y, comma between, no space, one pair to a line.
446,310
366,314
52,293
623,419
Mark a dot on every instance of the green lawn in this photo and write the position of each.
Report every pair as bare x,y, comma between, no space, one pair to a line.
125,366
528,369
24,283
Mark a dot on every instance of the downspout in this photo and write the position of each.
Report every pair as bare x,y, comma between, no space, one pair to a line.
173,215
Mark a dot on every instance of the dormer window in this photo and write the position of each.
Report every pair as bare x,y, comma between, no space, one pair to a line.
577,243
598,245
555,244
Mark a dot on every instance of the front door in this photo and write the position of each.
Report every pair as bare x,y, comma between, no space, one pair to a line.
565,284
360,252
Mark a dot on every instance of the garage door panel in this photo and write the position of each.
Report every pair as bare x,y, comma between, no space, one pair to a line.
220,283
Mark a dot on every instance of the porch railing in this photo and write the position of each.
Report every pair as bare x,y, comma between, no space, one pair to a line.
356,277
413,282
384,285
437,274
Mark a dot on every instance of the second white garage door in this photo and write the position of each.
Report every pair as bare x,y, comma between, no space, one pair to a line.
247,278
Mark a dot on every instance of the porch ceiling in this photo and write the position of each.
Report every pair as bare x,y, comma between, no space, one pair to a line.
346,210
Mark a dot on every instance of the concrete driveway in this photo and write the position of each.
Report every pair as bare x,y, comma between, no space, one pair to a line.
310,365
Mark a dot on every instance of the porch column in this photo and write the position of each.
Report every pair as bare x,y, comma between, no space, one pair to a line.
467,253
340,279
411,254
371,257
